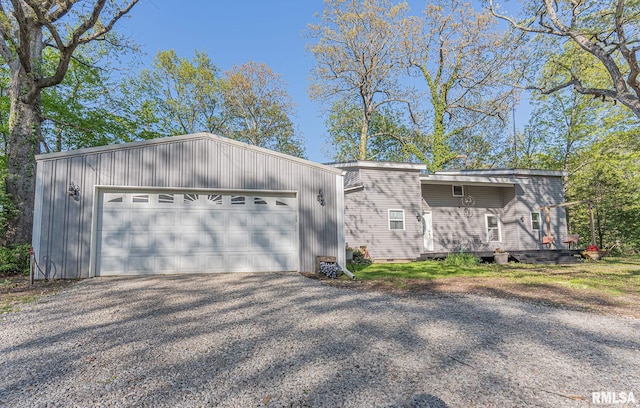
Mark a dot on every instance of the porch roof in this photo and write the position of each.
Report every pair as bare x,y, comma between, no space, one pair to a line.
468,180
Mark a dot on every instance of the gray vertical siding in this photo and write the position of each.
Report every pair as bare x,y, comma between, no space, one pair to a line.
366,213
62,238
454,230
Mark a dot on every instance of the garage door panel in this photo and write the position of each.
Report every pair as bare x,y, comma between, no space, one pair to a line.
157,233
191,263
237,219
139,263
190,241
166,219
215,219
238,263
237,241
140,241
165,241
214,241
114,219
166,264
190,219
215,263
284,239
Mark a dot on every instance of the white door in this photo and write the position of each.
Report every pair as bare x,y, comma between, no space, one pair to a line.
427,231
156,233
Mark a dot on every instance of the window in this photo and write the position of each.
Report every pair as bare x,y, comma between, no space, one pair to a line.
237,200
493,228
259,201
141,198
396,219
458,191
535,221
165,198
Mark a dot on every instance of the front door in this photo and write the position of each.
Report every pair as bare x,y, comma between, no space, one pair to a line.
427,231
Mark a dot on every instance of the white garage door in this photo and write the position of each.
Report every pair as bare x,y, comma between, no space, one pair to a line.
155,233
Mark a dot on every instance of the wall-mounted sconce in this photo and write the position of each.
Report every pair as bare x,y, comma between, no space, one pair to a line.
321,197
418,216
74,191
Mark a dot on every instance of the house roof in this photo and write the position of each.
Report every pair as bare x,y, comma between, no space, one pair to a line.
494,177
174,139
502,172
379,165
467,180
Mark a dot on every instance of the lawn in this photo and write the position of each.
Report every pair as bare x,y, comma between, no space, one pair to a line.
611,285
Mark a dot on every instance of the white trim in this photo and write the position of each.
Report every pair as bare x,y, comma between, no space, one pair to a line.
486,224
342,257
353,189
37,219
430,248
404,224
181,138
379,165
539,220
468,180
500,172
453,190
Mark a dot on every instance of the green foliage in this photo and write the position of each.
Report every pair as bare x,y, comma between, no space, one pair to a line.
359,258
179,96
609,173
388,138
14,259
461,260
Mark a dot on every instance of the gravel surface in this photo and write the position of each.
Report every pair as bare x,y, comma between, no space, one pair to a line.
281,340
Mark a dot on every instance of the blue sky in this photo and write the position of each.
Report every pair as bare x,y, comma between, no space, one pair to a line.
232,33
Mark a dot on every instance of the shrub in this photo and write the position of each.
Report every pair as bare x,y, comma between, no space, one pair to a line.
360,259
15,259
461,259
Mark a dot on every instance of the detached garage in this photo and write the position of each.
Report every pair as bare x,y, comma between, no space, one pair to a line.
187,204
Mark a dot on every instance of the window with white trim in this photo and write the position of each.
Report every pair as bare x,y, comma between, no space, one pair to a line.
458,191
535,221
493,228
396,219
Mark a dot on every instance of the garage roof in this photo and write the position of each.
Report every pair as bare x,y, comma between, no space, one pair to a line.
175,139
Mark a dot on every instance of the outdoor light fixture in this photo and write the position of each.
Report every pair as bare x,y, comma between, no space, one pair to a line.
74,191
321,197
418,217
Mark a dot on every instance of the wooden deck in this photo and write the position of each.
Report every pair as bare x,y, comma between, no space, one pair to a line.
543,256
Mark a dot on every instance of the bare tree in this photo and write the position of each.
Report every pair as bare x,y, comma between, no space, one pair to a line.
607,30
26,28
359,57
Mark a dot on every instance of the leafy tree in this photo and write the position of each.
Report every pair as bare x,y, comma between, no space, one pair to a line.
387,140
27,27
359,48
177,96
606,31
259,109
609,173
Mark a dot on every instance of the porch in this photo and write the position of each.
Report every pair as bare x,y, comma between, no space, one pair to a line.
542,256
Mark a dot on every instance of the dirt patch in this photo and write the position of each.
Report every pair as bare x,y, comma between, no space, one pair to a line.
551,294
15,290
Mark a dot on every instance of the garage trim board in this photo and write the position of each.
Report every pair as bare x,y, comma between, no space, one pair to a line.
140,230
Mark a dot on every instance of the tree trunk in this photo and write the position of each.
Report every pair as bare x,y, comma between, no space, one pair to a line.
24,135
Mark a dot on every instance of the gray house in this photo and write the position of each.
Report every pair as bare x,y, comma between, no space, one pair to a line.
401,213
184,204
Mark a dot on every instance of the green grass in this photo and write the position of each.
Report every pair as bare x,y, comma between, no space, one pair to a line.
611,275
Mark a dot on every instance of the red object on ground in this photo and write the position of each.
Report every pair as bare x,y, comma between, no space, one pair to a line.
592,248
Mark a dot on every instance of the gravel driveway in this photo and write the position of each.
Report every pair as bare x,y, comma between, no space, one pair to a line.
283,340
